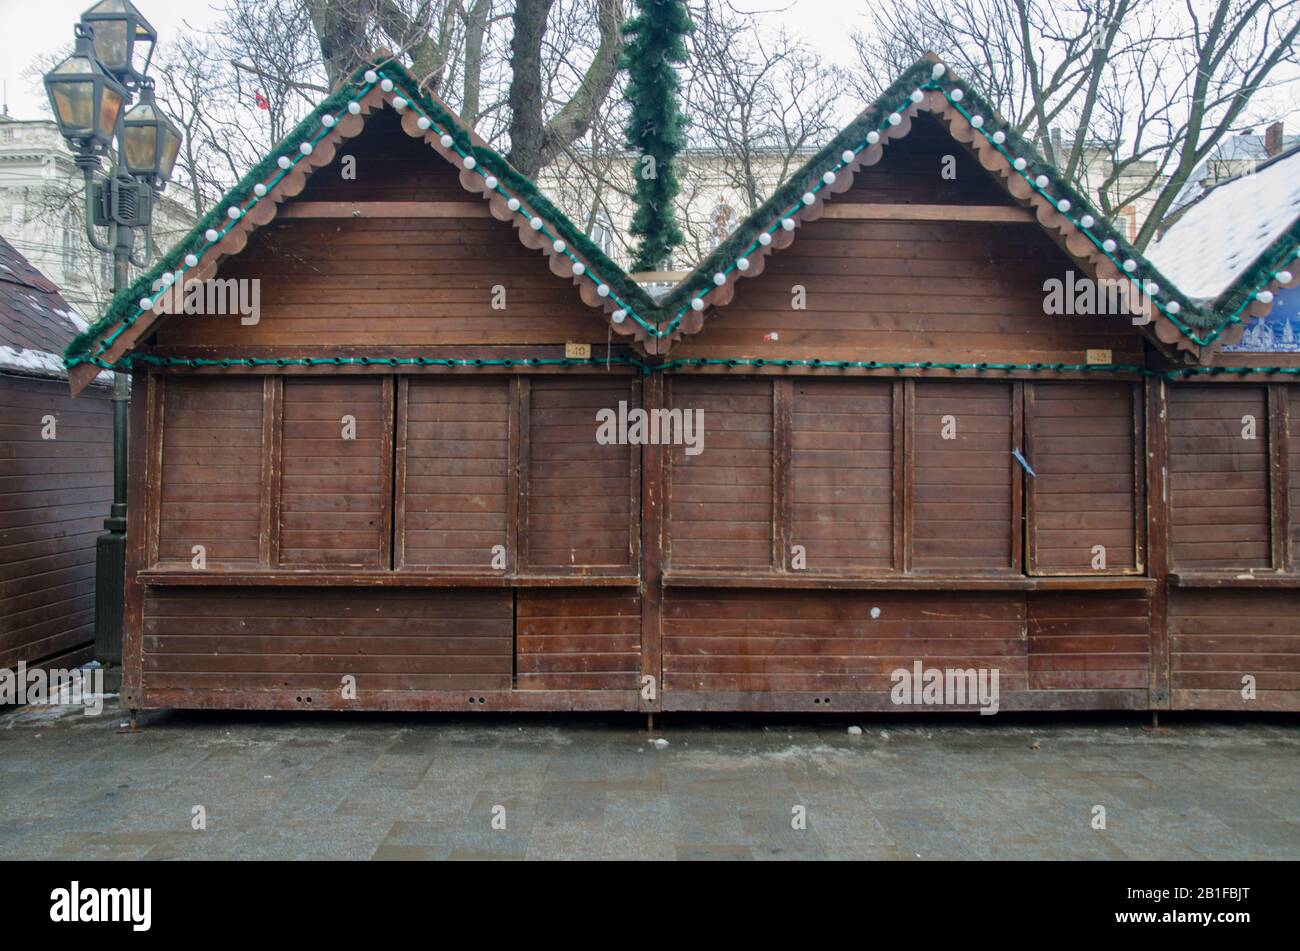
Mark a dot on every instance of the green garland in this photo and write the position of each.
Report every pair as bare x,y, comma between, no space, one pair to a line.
225,363
656,128
1282,254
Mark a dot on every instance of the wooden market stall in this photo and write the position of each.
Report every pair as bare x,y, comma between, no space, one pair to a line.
1234,522
56,477
387,490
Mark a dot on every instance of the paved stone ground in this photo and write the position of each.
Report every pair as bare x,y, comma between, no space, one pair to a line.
424,787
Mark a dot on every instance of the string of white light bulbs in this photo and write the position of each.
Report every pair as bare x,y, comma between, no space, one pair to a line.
1085,222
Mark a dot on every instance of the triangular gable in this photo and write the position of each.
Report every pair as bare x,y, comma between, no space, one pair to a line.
1180,321
1238,244
254,201
1034,183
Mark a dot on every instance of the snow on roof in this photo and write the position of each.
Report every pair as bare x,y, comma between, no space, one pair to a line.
1242,148
1216,240
36,323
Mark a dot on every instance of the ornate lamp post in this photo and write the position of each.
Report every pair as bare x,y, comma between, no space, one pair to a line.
90,92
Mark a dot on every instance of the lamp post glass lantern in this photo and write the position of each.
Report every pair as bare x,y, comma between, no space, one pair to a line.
124,40
150,141
86,98
90,92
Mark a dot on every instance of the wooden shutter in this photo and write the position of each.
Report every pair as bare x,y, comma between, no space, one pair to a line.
1218,480
962,488
720,513
1291,410
843,473
336,493
1083,441
453,472
580,495
211,486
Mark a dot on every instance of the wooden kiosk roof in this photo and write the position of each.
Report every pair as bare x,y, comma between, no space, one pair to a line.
1184,327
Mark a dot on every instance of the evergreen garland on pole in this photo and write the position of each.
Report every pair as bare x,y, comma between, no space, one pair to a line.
656,129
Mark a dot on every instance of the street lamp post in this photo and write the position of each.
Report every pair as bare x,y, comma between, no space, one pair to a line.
90,92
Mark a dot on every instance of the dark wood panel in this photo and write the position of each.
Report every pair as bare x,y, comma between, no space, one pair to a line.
212,479
1080,641
721,501
912,170
272,638
717,640
1218,485
900,290
1220,637
577,639
843,473
390,281
336,492
54,497
1083,441
581,496
454,472
1292,416
963,486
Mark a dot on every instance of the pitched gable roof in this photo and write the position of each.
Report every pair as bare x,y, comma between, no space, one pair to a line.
1236,245
926,86
253,202
36,323
1033,182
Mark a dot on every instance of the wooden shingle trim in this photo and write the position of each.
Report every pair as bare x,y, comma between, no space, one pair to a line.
1074,242
721,296
559,262
1058,226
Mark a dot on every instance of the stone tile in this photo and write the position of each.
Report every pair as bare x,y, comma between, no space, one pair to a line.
395,787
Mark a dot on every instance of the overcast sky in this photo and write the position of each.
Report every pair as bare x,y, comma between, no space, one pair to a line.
30,28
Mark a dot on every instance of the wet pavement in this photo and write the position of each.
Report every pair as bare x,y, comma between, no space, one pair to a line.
358,786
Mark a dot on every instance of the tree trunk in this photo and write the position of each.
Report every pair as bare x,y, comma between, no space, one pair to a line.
527,132
341,30
476,22
533,141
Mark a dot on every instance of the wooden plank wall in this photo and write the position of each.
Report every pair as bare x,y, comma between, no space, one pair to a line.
988,566
1218,480
453,472
336,492
581,497
1234,622
54,496
303,641
842,473
1291,411
964,487
1089,641
212,472
393,280
1219,637
577,639
802,646
718,641
720,513
1084,441
912,290
806,642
